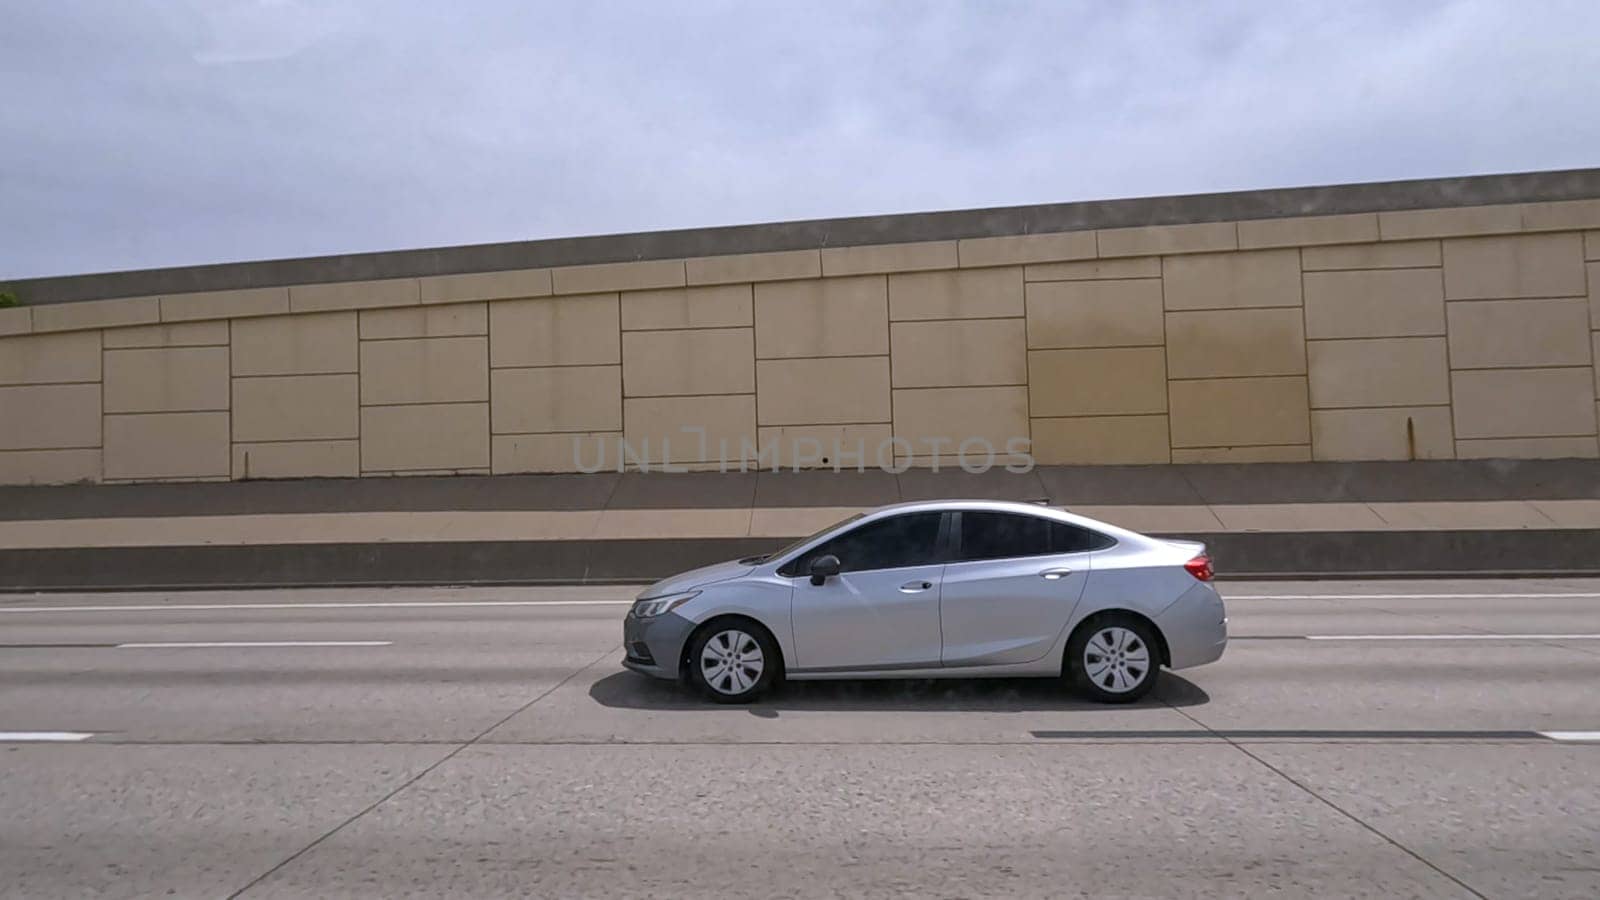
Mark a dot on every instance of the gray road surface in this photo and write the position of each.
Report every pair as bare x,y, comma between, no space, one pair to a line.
448,746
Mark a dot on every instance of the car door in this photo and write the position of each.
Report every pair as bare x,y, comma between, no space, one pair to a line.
1010,586
882,609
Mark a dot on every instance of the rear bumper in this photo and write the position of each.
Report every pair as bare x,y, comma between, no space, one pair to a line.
654,646
1195,627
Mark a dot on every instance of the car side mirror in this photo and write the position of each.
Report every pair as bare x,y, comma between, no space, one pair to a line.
824,567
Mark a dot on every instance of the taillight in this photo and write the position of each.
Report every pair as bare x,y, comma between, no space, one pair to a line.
1200,567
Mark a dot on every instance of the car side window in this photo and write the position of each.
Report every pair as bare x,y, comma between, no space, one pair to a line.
907,540
996,535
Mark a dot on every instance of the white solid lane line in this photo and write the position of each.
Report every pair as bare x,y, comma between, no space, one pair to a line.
1482,596
187,645
373,604
1453,637
1584,736
12,737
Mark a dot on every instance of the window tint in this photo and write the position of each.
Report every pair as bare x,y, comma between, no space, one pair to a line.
908,540
992,535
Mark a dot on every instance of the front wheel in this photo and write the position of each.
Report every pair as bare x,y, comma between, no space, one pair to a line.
1114,659
732,662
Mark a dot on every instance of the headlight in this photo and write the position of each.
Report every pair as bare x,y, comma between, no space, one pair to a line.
655,606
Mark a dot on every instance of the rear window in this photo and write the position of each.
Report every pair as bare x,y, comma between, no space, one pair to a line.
996,535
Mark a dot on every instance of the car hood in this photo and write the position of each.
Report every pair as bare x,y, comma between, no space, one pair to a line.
694,578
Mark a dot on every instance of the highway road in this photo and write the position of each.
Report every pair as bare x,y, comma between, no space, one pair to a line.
1407,738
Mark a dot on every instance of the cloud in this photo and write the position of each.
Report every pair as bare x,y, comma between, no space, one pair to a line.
144,134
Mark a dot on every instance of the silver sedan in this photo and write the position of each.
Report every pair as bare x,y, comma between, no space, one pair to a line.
948,589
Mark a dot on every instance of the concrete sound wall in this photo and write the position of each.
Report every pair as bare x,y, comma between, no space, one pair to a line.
1377,331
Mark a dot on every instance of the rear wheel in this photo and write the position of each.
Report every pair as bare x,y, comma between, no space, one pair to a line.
1114,659
732,661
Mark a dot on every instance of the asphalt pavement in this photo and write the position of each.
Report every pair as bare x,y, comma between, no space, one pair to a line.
1405,738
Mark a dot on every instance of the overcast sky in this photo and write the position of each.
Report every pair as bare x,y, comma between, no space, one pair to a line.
140,134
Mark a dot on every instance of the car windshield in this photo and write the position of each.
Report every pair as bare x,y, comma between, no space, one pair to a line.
802,541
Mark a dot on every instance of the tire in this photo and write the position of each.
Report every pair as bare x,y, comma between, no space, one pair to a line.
732,660
1114,658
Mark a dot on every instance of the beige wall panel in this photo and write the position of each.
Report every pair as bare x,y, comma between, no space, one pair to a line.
624,276
727,421
1097,382
50,358
268,301
1308,230
572,452
178,379
718,306
1594,295
823,391
167,445
1591,245
959,353
48,416
1236,342
1519,333
967,294
1290,453
698,361
1561,215
295,407
994,414
823,317
1105,440
1027,248
1380,372
295,345
780,266
18,320
49,466
564,398
1358,434
434,436
424,370
186,334
846,448
1155,240
1529,448
96,314
511,285
452,320
562,331
1431,223
1232,280
883,258
1515,403
353,295
1376,303
1239,412
1389,255
1096,269
1534,265
1123,313
298,459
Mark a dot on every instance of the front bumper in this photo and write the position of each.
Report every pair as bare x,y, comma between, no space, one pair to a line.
1195,627
654,646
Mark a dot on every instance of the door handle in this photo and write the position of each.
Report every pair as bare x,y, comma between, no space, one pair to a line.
911,587
1054,574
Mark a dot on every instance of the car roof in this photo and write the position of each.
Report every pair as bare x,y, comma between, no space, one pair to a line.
974,503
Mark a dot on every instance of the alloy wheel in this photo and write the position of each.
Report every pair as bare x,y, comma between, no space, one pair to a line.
732,662
1116,660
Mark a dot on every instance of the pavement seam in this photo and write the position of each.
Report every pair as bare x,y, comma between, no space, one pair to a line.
1332,805
422,774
